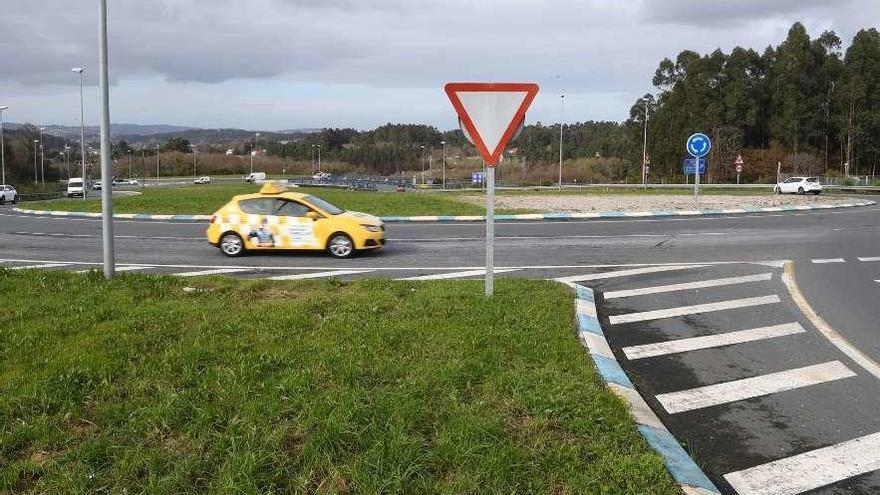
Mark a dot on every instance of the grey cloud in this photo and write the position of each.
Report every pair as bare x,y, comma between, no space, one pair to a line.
712,13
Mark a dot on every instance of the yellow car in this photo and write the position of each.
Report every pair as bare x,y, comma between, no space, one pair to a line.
276,219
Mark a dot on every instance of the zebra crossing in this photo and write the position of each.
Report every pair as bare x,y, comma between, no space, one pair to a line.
715,364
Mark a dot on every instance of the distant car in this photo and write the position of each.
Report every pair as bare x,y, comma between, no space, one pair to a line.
202,180
118,181
256,177
275,219
75,187
321,176
799,185
401,187
133,182
97,186
8,194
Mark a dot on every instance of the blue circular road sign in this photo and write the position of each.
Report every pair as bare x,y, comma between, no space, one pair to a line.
698,145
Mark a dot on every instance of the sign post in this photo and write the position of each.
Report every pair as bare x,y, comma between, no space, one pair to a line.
698,146
491,116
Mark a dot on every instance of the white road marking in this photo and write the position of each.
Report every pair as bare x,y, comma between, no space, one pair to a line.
829,260
687,286
118,269
836,339
44,265
624,273
870,259
468,273
306,276
810,470
218,271
693,310
709,341
747,388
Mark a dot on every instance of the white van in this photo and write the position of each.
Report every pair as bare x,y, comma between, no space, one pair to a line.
256,177
75,188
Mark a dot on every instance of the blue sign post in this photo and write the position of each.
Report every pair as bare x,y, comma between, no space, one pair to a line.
698,146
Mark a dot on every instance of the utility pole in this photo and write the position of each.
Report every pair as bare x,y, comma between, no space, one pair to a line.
645,151
130,152
67,158
106,158
2,148
561,120
443,143
36,177
157,164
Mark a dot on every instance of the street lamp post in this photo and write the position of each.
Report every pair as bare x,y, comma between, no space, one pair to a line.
319,158
2,148
67,159
561,120
106,150
253,152
443,143
82,128
36,177
42,158
157,164
130,151
645,152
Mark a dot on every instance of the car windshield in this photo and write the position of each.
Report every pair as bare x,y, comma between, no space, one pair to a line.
75,183
327,207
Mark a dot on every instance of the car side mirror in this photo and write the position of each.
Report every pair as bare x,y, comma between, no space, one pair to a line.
313,215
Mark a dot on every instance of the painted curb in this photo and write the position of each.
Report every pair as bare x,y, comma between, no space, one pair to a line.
687,473
553,217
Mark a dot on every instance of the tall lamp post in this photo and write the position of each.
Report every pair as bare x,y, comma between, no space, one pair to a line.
2,148
82,128
67,159
561,120
319,158
106,150
42,158
130,151
645,152
36,177
157,164
443,143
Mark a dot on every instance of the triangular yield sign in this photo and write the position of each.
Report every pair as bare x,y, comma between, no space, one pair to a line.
491,112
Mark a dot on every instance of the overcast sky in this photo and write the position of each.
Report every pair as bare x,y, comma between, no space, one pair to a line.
278,64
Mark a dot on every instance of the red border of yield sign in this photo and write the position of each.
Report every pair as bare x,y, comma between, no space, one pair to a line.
452,90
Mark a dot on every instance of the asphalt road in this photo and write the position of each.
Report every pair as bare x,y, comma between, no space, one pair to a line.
752,434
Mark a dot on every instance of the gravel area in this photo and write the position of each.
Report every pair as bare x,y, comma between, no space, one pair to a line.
627,202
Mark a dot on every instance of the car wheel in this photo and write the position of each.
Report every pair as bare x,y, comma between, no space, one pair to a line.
340,246
801,191
231,245
15,199
2,200
777,190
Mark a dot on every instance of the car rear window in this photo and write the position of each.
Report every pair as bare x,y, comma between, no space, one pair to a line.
75,183
812,179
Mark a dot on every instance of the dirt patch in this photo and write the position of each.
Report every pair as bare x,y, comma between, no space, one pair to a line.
585,203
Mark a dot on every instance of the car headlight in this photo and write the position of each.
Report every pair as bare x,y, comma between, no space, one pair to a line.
372,228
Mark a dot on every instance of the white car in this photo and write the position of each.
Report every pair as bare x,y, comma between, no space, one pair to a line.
202,180
75,187
799,185
8,194
321,176
133,182
98,185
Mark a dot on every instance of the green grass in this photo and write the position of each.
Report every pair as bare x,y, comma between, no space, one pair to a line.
205,200
136,386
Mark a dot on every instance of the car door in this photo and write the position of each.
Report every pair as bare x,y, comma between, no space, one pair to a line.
260,226
297,230
787,185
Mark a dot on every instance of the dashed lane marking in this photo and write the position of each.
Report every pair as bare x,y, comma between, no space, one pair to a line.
747,388
624,273
306,276
870,259
693,310
45,265
218,271
810,470
828,260
710,341
687,286
447,276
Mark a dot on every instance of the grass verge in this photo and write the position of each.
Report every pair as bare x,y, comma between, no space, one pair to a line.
137,386
205,200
